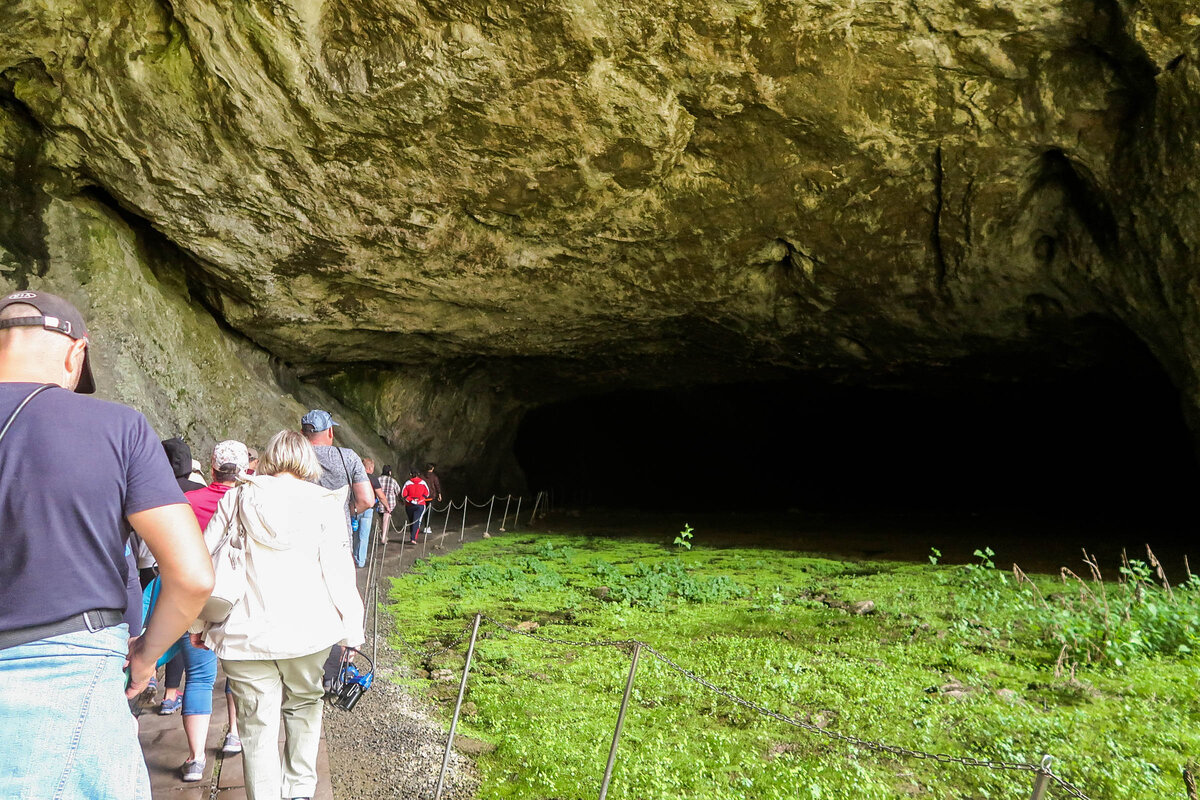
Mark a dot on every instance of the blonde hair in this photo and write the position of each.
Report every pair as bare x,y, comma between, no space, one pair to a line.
290,452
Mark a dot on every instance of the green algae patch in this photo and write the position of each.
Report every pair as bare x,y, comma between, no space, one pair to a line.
950,659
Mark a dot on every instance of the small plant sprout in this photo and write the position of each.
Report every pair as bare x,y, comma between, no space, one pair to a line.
684,540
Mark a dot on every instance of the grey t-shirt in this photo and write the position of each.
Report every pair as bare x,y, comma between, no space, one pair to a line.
341,466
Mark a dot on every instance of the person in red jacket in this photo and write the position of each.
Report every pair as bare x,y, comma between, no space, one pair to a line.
415,493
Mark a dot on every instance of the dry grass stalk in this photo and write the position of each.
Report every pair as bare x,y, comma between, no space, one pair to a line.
1162,576
1086,593
1189,780
1094,566
1021,577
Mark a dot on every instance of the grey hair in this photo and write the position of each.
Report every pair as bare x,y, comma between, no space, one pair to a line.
290,452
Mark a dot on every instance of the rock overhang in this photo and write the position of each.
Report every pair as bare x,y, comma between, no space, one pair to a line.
557,197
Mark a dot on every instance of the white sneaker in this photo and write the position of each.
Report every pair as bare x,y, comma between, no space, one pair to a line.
192,771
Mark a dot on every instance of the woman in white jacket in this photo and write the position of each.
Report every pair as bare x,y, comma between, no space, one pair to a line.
301,599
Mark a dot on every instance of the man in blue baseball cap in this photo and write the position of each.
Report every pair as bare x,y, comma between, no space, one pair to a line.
339,466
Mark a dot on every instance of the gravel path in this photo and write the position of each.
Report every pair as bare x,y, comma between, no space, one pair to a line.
391,745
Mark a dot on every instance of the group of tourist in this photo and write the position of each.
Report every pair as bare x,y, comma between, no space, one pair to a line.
91,501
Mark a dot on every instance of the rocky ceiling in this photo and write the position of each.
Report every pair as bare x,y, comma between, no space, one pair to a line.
531,198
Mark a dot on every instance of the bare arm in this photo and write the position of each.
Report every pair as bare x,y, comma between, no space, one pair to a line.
381,496
173,536
364,498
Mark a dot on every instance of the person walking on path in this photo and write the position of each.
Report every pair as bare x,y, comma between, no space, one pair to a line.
366,520
340,466
435,490
180,456
301,598
415,493
391,495
67,727
230,459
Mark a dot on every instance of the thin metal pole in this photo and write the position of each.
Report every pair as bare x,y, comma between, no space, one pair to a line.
491,507
417,530
462,690
517,515
463,530
504,519
536,502
403,541
449,508
612,751
1041,780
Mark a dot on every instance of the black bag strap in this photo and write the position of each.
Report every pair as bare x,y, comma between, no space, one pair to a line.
349,482
8,423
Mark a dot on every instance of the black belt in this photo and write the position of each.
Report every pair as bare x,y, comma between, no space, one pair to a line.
87,621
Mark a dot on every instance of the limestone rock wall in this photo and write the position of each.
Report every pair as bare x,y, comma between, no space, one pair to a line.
153,346
449,212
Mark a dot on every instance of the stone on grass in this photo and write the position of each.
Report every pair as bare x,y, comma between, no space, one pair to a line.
862,607
473,747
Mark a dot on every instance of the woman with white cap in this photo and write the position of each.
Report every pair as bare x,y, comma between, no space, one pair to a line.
300,600
229,462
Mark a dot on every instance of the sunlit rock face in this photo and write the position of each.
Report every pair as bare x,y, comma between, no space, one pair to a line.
449,212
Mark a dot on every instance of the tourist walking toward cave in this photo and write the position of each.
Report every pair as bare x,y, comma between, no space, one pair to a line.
64,576
435,490
300,600
366,520
340,466
391,495
230,460
415,493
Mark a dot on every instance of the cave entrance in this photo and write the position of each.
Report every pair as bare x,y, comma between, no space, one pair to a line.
1100,443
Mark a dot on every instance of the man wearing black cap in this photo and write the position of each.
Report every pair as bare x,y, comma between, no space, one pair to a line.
63,644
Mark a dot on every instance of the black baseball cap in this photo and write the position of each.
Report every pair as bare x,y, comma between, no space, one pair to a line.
57,315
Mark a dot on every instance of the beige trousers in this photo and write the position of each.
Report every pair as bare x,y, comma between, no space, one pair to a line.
262,690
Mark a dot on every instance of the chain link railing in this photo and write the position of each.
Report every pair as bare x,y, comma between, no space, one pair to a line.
1042,772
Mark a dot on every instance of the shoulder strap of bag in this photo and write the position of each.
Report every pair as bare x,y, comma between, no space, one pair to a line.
11,417
349,481
233,526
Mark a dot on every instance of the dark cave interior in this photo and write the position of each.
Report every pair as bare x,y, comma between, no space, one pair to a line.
1103,442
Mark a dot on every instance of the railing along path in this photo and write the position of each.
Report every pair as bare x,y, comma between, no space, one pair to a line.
1043,774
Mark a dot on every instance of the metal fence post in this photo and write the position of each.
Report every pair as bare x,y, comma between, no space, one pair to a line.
491,507
517,515
537,501
463,530
612,751
504,519
462,690
1041,779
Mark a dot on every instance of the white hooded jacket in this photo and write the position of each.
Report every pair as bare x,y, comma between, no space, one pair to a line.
301,594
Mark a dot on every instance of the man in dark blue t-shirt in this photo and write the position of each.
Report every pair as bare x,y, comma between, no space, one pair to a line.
75,472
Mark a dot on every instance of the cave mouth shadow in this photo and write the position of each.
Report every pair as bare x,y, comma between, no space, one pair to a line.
1096,448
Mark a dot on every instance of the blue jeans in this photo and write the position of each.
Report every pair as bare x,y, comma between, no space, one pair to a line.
362,537
415,513
201,666
67,730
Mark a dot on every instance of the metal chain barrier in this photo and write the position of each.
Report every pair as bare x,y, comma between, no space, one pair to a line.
967,761
619,643
634,646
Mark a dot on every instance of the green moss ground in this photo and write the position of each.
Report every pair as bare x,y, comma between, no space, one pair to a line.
758,625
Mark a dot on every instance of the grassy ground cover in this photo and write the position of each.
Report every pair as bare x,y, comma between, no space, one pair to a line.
958,660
